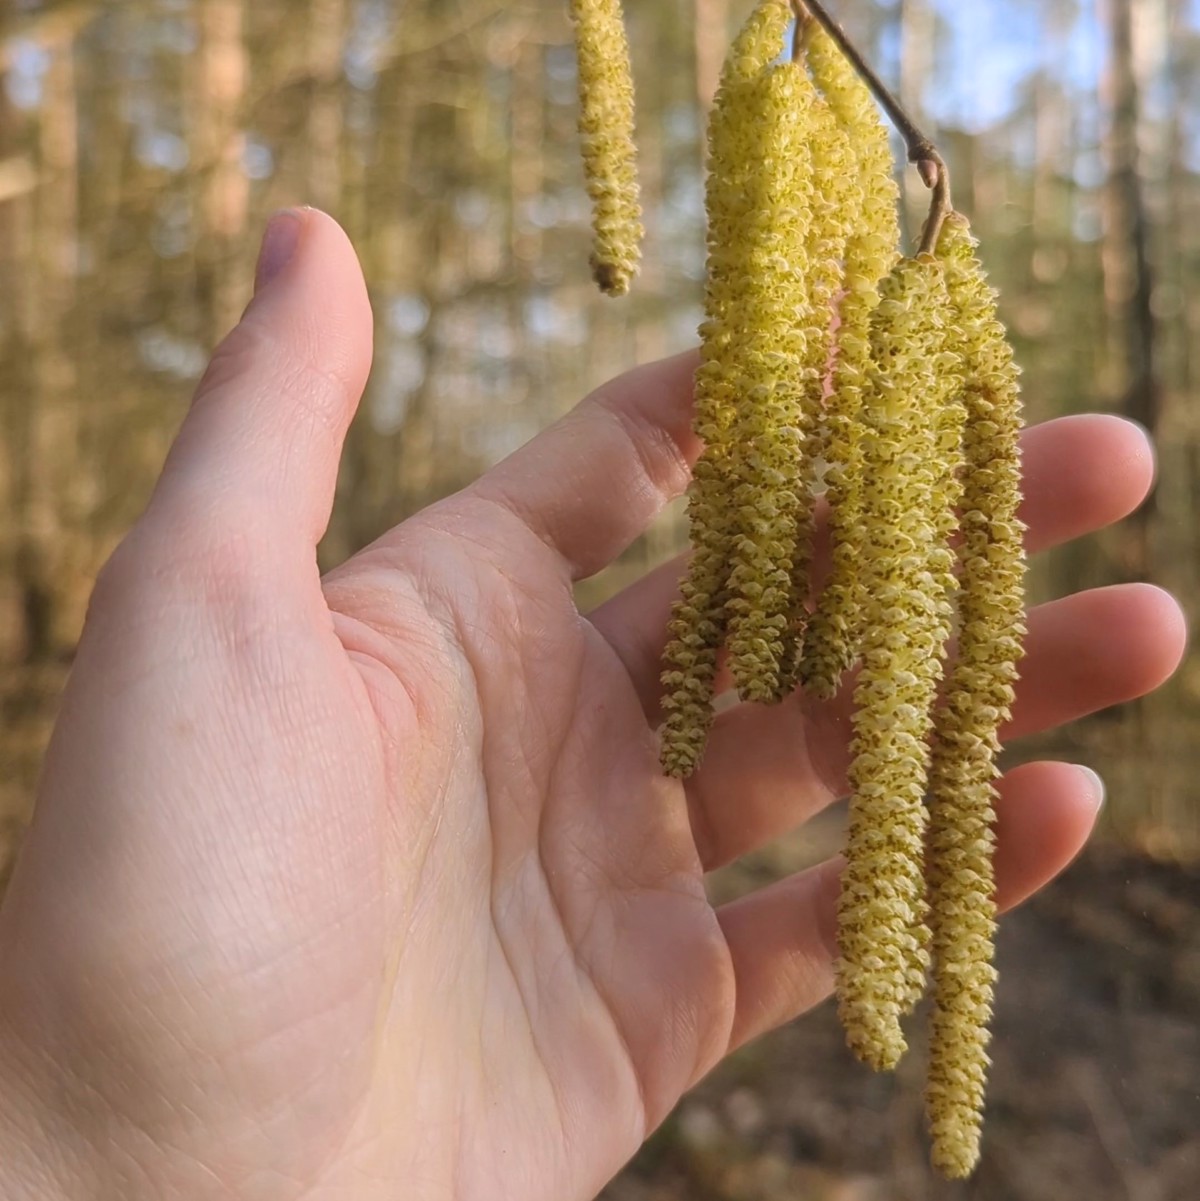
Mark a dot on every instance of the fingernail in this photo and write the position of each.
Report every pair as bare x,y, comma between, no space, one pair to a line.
1095,784
279,243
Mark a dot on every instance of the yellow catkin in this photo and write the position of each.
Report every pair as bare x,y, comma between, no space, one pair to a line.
832,635
734,182
837,213
978,700
606,131
906,500
777,331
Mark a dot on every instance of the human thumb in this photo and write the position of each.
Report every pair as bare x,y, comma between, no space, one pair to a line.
261,442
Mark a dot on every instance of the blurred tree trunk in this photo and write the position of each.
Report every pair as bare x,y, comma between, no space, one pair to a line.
526,184
1126,248
1180,244
48,437
526,165
17,321
918,27
1128,273
326,119
710,25
1054,134
218,148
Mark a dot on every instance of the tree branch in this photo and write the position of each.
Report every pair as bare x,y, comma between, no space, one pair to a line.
921,150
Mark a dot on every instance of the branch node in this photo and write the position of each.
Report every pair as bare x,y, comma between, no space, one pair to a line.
940,206
929,163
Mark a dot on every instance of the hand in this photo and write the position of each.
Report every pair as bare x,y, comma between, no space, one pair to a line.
370,887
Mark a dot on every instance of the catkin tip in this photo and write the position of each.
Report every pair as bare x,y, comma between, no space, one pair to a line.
606,126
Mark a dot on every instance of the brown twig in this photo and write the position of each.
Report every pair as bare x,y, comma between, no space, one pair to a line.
940,207
921,150
800,31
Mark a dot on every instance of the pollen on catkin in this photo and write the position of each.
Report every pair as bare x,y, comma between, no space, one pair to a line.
776,329
978,700
831,638
606,130
882,909
838,209
733,192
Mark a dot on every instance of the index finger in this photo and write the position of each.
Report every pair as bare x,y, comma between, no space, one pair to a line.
593,481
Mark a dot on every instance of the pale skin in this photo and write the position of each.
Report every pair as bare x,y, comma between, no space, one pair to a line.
368,886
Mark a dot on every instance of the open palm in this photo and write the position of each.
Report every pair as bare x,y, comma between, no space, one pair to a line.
370,887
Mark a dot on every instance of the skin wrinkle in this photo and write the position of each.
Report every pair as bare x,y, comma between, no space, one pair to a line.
419,926
424,601
199,829
225,583
344,594
570,953
665,453
190,1049
515,631
268,490
703,830
635,892
508,509
254,345
69,1085
623,888
284,1107
480,677
597,990
661,476
501,942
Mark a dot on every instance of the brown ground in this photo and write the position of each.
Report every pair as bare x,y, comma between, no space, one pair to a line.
1095,1092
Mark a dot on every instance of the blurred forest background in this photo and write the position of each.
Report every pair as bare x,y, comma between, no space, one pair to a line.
144,142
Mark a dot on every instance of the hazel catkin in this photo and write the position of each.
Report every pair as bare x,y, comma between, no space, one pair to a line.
909,401
775,331
735,182
837,211
606,130
882,909
979,698
832,634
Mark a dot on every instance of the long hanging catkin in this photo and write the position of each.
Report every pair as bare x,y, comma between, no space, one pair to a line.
838,209
606,130
782,330
906,502
734,190
979,698
908,400
831,638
